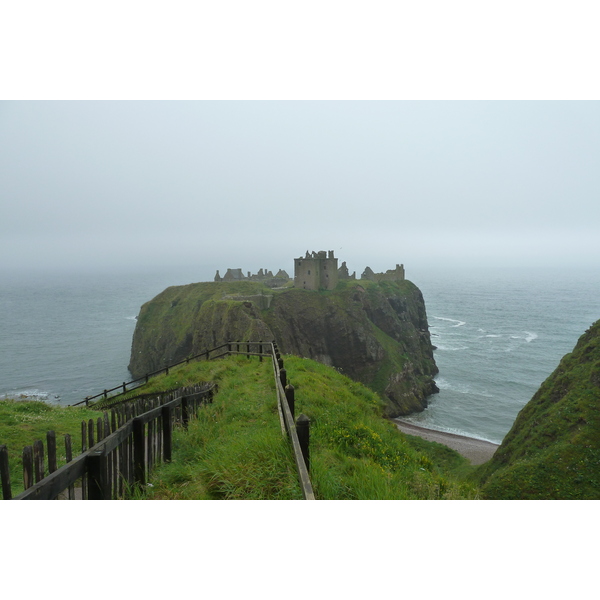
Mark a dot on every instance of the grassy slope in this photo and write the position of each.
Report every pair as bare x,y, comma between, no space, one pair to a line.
24,422
236,449
553,448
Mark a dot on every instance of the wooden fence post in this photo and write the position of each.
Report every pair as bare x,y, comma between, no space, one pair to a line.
289,394
5,473
99,488
69,458
167,424
27,467
283,377
51,445
303,431
139,452
84,447
260,351
38,460
90,433
185,414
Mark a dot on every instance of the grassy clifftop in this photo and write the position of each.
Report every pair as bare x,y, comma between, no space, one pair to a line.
235,449
375,333
553,448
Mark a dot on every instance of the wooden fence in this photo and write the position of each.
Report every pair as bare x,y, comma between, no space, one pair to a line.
298,431
118,453
217,352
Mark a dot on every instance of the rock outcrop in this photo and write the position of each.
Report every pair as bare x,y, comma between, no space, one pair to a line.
374,333
553,449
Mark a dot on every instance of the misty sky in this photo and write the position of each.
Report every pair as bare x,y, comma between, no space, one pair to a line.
254,184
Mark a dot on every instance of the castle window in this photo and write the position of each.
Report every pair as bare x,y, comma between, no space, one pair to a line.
309,271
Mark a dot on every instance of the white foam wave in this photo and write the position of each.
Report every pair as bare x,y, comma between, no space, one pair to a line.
452,430
529,336
493,335
458,323
131,318
450,348
443,384
28,395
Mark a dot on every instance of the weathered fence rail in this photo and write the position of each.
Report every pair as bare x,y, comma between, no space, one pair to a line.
117,452
298,432
210,354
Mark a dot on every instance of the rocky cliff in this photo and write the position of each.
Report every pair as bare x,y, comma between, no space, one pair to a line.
553,449
376,333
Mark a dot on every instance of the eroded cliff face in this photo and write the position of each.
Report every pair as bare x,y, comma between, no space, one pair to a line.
374,333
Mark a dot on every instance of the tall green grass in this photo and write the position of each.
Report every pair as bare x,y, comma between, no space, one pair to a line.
357,454
22,422
235,449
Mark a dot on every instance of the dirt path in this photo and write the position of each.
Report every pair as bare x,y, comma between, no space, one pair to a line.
477,451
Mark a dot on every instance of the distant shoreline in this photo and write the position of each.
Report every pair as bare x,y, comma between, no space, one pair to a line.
477,451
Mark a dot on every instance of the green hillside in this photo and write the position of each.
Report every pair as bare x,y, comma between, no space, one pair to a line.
235,449
22,422
376,333
553,448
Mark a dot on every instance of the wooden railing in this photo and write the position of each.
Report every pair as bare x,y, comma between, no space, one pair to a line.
117,453
298,432
138,435
213,353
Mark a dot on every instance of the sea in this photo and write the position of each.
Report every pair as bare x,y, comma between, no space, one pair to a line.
498,333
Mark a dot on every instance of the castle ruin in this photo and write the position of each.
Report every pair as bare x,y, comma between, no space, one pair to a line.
314,271
265,276
396,274
319,271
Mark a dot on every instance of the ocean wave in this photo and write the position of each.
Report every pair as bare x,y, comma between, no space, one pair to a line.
460,388
29,395
131,318
458,323
450,348
529,336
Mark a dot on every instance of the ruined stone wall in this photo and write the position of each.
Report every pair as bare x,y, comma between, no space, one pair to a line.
344,274
264,275
396,274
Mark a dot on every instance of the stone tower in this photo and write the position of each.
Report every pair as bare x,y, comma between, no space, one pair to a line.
316,271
